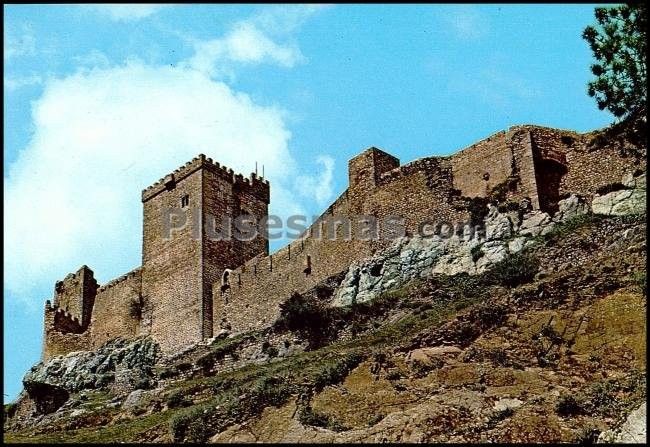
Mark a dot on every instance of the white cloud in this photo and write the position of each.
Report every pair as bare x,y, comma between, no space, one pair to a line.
101,136
321,187
254,41
126,13
285,19
245,44
466,22
23,44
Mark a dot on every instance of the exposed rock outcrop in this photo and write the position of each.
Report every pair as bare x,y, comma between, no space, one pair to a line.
417,257
49,384
633,430
628,200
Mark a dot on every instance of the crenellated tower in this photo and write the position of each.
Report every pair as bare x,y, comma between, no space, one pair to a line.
182,256
75,295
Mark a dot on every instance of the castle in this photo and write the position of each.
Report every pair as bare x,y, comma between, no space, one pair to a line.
189,287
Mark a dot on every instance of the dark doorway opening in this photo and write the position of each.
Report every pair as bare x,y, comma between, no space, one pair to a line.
549,175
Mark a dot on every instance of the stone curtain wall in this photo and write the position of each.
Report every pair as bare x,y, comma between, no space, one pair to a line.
481,166
589,167
421,190
179,287
118,308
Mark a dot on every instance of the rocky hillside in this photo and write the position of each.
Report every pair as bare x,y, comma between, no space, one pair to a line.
534,331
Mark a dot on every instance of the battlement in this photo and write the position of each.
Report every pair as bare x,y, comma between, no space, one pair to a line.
61,320
256,185
83,270
133,273
76,294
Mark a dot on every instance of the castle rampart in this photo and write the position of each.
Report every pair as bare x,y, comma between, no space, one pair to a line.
118,308
188,287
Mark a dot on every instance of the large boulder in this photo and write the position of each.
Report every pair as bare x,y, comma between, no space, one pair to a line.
50,383
536,223
572,206
630,200
497,225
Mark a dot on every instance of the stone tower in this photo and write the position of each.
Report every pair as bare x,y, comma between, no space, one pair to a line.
75,295
364,172
181,258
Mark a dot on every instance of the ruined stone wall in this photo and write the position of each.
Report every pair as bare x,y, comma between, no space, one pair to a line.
589,166
520,142
118,308
178,297
420,191
481,166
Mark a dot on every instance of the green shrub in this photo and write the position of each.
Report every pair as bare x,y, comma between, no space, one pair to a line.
568,405
177,399
376,419
498,416
421,368
308,416
308,317
169,372
639,280
394,375
515,270
142,383
477,253
270,391
489,315
498,356
191,424
269,350
300,313
570,226
333,373
586,435
9,411
183,367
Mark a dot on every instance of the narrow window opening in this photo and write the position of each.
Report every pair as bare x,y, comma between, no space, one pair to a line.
185,201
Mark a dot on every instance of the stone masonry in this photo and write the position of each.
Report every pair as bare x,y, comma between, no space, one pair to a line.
190,285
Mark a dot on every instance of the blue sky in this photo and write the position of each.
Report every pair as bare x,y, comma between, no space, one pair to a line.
101,101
